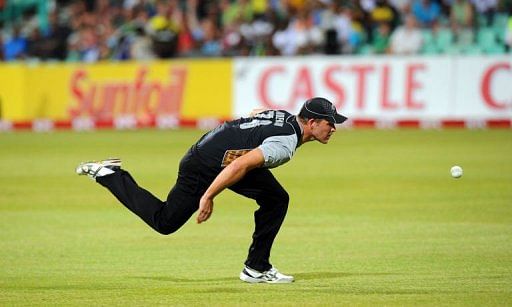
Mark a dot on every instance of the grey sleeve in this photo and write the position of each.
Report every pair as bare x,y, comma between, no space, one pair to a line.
278,150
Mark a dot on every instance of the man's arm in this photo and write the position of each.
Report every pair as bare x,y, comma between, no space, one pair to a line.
230,175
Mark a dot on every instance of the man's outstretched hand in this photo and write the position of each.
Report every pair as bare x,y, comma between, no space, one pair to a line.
230,175
205,209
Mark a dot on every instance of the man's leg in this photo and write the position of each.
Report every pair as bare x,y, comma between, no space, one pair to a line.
260,185
164,217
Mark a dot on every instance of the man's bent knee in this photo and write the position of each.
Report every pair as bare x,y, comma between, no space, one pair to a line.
165,229
282,198
279,199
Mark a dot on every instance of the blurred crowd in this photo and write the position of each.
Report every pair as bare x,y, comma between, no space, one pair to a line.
95,30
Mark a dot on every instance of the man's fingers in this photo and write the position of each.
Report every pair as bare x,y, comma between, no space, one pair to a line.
203,216
205,210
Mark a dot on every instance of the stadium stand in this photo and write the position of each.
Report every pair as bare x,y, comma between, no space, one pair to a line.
96,30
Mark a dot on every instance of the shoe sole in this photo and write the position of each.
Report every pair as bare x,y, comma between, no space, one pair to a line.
252,280
112,163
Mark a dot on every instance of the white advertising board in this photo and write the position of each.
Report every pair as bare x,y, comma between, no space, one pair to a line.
382,88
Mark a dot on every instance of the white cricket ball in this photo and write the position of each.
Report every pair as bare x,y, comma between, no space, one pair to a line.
456,171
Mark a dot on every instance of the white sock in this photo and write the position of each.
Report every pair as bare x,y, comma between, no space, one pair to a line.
104,171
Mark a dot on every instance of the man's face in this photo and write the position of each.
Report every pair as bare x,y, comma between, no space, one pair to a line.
322,130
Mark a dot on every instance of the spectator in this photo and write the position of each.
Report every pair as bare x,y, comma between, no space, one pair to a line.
163,29
210,45
380,44
185,40
232,39
358,35
241,11
344,30
37,48
56,37
15,47
406,39
383,12
461,22
121,39
309,36
376,12
73,47
104,52
140,48
191,32
284,39
487,8
2,57
461,15
427,12
259,8
89,45
256,35
327,23
301,36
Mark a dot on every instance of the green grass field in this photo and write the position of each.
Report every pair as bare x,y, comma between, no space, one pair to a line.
374,219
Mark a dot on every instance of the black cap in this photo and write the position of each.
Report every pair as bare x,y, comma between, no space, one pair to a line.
321,108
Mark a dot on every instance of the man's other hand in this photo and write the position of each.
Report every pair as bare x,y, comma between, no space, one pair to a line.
205,209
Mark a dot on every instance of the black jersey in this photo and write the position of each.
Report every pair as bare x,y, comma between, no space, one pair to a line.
277,133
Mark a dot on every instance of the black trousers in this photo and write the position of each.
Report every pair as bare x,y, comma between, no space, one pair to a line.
183,200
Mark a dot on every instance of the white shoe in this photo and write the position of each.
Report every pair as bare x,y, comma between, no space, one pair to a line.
95,169
272,276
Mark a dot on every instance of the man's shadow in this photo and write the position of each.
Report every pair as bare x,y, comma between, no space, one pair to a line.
298,277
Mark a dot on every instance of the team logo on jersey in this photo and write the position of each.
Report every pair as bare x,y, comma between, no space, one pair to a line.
233,154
